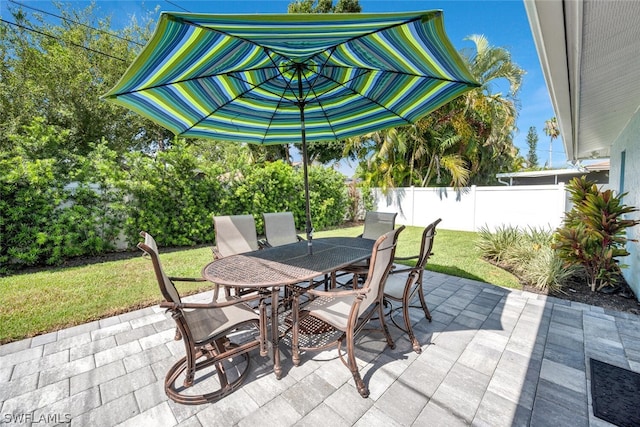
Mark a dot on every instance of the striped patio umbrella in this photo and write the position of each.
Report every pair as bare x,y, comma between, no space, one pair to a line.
275,79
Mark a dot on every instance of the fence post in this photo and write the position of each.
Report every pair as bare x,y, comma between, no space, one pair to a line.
475,204
413,205
563,199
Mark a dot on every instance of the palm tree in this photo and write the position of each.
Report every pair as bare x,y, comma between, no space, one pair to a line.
468,138
493,115
552,130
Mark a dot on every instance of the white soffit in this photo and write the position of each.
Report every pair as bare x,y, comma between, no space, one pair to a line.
595,86
547,22
609,73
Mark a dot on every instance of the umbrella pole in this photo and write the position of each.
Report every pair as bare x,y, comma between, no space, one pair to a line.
309,228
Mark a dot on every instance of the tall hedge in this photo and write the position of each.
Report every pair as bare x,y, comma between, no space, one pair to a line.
53,209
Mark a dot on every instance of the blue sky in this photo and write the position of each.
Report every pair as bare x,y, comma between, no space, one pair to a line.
503,22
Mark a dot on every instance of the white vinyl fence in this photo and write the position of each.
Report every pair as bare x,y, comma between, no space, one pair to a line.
471,208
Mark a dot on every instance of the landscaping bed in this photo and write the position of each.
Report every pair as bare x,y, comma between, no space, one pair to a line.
578,290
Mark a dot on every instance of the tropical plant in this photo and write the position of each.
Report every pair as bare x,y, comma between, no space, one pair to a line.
495,245
532,142
552,130
527,254
491,114
546,271
593,232
466,141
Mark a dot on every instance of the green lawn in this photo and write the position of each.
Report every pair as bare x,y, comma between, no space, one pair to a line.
41,302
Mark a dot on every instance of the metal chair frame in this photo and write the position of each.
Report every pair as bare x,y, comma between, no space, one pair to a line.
413,284
365,303
212,349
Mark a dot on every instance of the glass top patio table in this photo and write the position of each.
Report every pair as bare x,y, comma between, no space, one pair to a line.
288,264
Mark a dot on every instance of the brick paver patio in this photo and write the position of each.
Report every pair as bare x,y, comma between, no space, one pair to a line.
491,357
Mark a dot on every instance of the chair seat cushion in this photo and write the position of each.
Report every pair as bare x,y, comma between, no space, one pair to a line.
209,322
333,310
396,283
394,287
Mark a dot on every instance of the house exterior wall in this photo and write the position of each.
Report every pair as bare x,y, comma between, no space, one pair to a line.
629,143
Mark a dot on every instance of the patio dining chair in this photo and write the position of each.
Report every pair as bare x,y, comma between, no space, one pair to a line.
235,234
280,229
345,313
217,337
378,223
403,289
375,225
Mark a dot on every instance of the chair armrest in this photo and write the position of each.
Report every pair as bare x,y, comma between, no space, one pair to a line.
187,279
262,243
359,291
214,304
401,270
300,238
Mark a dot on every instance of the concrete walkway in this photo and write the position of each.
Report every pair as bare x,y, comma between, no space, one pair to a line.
491,357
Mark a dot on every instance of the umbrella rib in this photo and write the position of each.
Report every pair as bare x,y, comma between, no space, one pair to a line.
379,30
175,82
281,95
343,84
331,48
253,87
324,112
403,73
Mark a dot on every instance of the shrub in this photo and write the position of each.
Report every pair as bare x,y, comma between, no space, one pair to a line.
171,196
546,271
55,209
593,232
527,254
45,220
495,245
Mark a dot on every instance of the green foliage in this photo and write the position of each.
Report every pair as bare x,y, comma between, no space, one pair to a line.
593,233
527,254
496,245
324,6
532,142
45,218
67,205
171,196
329,197
464,142
279,187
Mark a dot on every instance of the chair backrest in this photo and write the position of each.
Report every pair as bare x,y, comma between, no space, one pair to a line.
378,223
235,234
428,236
168,289
279,228
381,260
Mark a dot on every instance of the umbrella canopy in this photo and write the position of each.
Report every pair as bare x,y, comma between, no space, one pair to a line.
274,79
